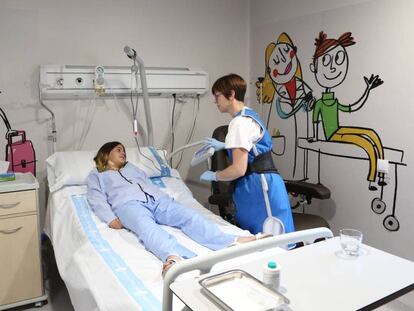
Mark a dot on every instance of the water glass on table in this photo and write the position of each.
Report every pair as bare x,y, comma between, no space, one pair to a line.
351,240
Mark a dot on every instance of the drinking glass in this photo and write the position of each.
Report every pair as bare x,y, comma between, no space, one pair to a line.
351,240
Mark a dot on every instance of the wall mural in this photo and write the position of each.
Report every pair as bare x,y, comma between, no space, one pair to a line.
283,85
283,77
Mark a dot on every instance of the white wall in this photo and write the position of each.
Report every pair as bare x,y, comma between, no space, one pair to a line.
383,46
207,34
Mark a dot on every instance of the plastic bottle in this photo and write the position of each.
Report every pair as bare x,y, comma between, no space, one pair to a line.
271,275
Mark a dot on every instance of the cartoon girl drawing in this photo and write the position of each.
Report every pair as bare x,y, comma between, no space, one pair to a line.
330,67
283,76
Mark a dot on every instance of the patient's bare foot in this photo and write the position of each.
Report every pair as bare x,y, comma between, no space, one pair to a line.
245,239
250,238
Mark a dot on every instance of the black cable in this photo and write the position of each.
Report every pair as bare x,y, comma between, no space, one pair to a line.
307,123
7,123
5,120
268,115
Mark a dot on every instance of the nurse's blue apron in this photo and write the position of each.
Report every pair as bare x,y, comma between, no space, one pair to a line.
248,192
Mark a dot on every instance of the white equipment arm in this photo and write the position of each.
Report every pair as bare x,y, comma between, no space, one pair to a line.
169,156
145,96
205,263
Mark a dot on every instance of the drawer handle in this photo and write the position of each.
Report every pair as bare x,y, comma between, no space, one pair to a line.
10,231
11,205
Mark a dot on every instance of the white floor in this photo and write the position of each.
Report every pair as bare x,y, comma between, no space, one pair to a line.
59,299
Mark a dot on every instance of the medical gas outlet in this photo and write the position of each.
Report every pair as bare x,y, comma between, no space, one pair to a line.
99,80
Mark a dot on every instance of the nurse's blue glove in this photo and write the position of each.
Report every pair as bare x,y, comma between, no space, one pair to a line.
208,176
217,145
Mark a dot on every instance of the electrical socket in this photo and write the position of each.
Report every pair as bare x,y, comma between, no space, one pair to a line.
383,166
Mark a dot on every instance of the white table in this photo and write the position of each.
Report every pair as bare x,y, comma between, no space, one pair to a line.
319,277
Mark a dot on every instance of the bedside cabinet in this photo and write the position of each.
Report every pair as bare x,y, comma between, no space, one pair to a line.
20,256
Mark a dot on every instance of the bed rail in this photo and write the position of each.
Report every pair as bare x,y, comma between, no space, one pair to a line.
205,263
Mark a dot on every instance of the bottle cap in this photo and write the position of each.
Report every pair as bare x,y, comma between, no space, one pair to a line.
272,265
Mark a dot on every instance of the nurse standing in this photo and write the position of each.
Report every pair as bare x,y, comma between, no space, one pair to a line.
249,146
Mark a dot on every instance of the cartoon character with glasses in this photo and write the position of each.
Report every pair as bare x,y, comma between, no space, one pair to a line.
330,66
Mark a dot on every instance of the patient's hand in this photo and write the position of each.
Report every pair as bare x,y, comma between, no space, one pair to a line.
115,224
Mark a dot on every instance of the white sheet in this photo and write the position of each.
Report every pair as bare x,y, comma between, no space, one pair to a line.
91,284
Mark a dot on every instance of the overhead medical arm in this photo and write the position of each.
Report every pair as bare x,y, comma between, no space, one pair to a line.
132,54
205,263
144,87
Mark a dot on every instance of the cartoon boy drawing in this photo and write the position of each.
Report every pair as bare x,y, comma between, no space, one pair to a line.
283,76
330,66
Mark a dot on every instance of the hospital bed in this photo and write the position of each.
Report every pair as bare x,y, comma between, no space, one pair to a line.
106,269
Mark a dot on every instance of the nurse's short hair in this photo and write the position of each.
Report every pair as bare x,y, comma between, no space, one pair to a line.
228,83
101,158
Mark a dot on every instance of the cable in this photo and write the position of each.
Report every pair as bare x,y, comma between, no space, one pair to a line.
7,123
167,140
90,114
5,120
134,106
268,115
172,127
85,127
139,151
190,135
75,127
267,126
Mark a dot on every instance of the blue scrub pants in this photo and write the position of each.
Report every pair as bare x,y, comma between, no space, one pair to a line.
144,219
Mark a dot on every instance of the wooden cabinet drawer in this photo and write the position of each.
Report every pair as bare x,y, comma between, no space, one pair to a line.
17,202
20,259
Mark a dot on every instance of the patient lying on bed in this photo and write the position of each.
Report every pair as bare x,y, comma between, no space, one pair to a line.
121,195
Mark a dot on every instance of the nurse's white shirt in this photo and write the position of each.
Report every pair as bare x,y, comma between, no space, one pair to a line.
243,132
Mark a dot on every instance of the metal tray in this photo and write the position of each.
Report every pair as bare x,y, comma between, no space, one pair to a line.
236,290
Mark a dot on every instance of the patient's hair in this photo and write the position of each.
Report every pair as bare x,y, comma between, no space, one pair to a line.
228,83
101,158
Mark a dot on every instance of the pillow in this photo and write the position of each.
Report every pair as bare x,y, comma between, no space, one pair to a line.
68,168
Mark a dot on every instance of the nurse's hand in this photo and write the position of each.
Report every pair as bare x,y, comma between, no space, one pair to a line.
217,145
115,224
208,176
